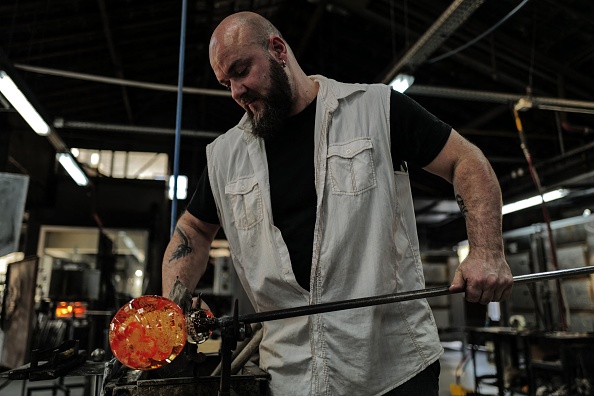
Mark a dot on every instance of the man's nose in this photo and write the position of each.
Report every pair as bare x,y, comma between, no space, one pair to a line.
237,91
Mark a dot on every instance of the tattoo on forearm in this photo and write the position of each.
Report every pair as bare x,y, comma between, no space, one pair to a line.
461,204
183,249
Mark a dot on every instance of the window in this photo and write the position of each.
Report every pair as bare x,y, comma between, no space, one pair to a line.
124,164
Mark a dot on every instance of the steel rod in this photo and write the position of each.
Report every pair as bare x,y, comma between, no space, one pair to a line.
390,298
557,274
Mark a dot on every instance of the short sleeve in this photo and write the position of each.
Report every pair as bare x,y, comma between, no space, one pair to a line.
202,205
417,136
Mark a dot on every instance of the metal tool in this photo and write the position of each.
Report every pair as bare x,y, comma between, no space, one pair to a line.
50,363
390,298
237,327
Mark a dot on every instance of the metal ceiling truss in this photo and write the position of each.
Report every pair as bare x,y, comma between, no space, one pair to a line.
525,101
454,16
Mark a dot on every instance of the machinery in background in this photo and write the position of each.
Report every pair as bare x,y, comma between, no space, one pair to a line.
543,341
559,305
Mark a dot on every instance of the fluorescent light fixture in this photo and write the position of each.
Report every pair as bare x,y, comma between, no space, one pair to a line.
533,201
182,187
22,105
402,82
71,166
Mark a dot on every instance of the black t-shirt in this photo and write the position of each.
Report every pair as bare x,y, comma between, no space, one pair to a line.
416,136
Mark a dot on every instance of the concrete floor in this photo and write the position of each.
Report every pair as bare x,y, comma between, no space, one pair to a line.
449,362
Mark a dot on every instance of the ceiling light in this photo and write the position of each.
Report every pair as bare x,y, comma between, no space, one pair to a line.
402,82
22,105
95,159
73,169
533,201
182,187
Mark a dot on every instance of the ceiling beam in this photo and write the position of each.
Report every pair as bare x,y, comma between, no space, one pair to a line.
542,102
144,130
441,29
119,81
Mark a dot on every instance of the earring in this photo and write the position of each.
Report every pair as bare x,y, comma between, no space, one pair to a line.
284,64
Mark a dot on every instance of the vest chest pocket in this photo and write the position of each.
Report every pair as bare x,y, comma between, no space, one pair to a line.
350,167
246,202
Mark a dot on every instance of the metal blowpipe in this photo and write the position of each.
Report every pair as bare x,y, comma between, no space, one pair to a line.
391,298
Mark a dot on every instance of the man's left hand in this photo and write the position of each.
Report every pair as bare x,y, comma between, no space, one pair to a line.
484,275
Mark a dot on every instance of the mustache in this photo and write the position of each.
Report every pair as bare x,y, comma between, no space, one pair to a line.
247,98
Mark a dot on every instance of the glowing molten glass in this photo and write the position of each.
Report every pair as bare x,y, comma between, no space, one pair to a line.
148,332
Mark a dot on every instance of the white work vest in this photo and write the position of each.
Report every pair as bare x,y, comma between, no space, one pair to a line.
365,244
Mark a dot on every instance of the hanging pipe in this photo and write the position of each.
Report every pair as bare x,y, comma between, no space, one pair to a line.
545,212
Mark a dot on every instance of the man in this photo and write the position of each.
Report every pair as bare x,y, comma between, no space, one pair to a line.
312,192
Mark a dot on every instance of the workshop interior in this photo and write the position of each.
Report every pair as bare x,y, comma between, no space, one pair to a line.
106,108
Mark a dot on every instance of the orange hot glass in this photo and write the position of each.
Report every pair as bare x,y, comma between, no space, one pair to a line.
148,332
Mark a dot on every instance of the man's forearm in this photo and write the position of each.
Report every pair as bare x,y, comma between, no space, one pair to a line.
479,197
483,274
476,188
186,256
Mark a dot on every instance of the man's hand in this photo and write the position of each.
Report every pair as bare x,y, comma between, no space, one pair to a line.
484,275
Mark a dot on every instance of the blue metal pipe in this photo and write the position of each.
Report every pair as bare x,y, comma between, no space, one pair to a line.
180,86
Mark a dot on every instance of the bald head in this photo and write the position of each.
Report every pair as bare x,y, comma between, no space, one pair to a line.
243,28
248,55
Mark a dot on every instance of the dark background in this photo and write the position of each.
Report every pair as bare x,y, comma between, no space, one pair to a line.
542,53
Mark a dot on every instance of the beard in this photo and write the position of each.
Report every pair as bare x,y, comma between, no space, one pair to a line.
277,104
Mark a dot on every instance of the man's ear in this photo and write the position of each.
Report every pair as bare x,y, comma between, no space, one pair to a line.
278,48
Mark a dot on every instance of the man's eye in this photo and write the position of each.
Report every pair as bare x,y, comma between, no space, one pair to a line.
242,72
